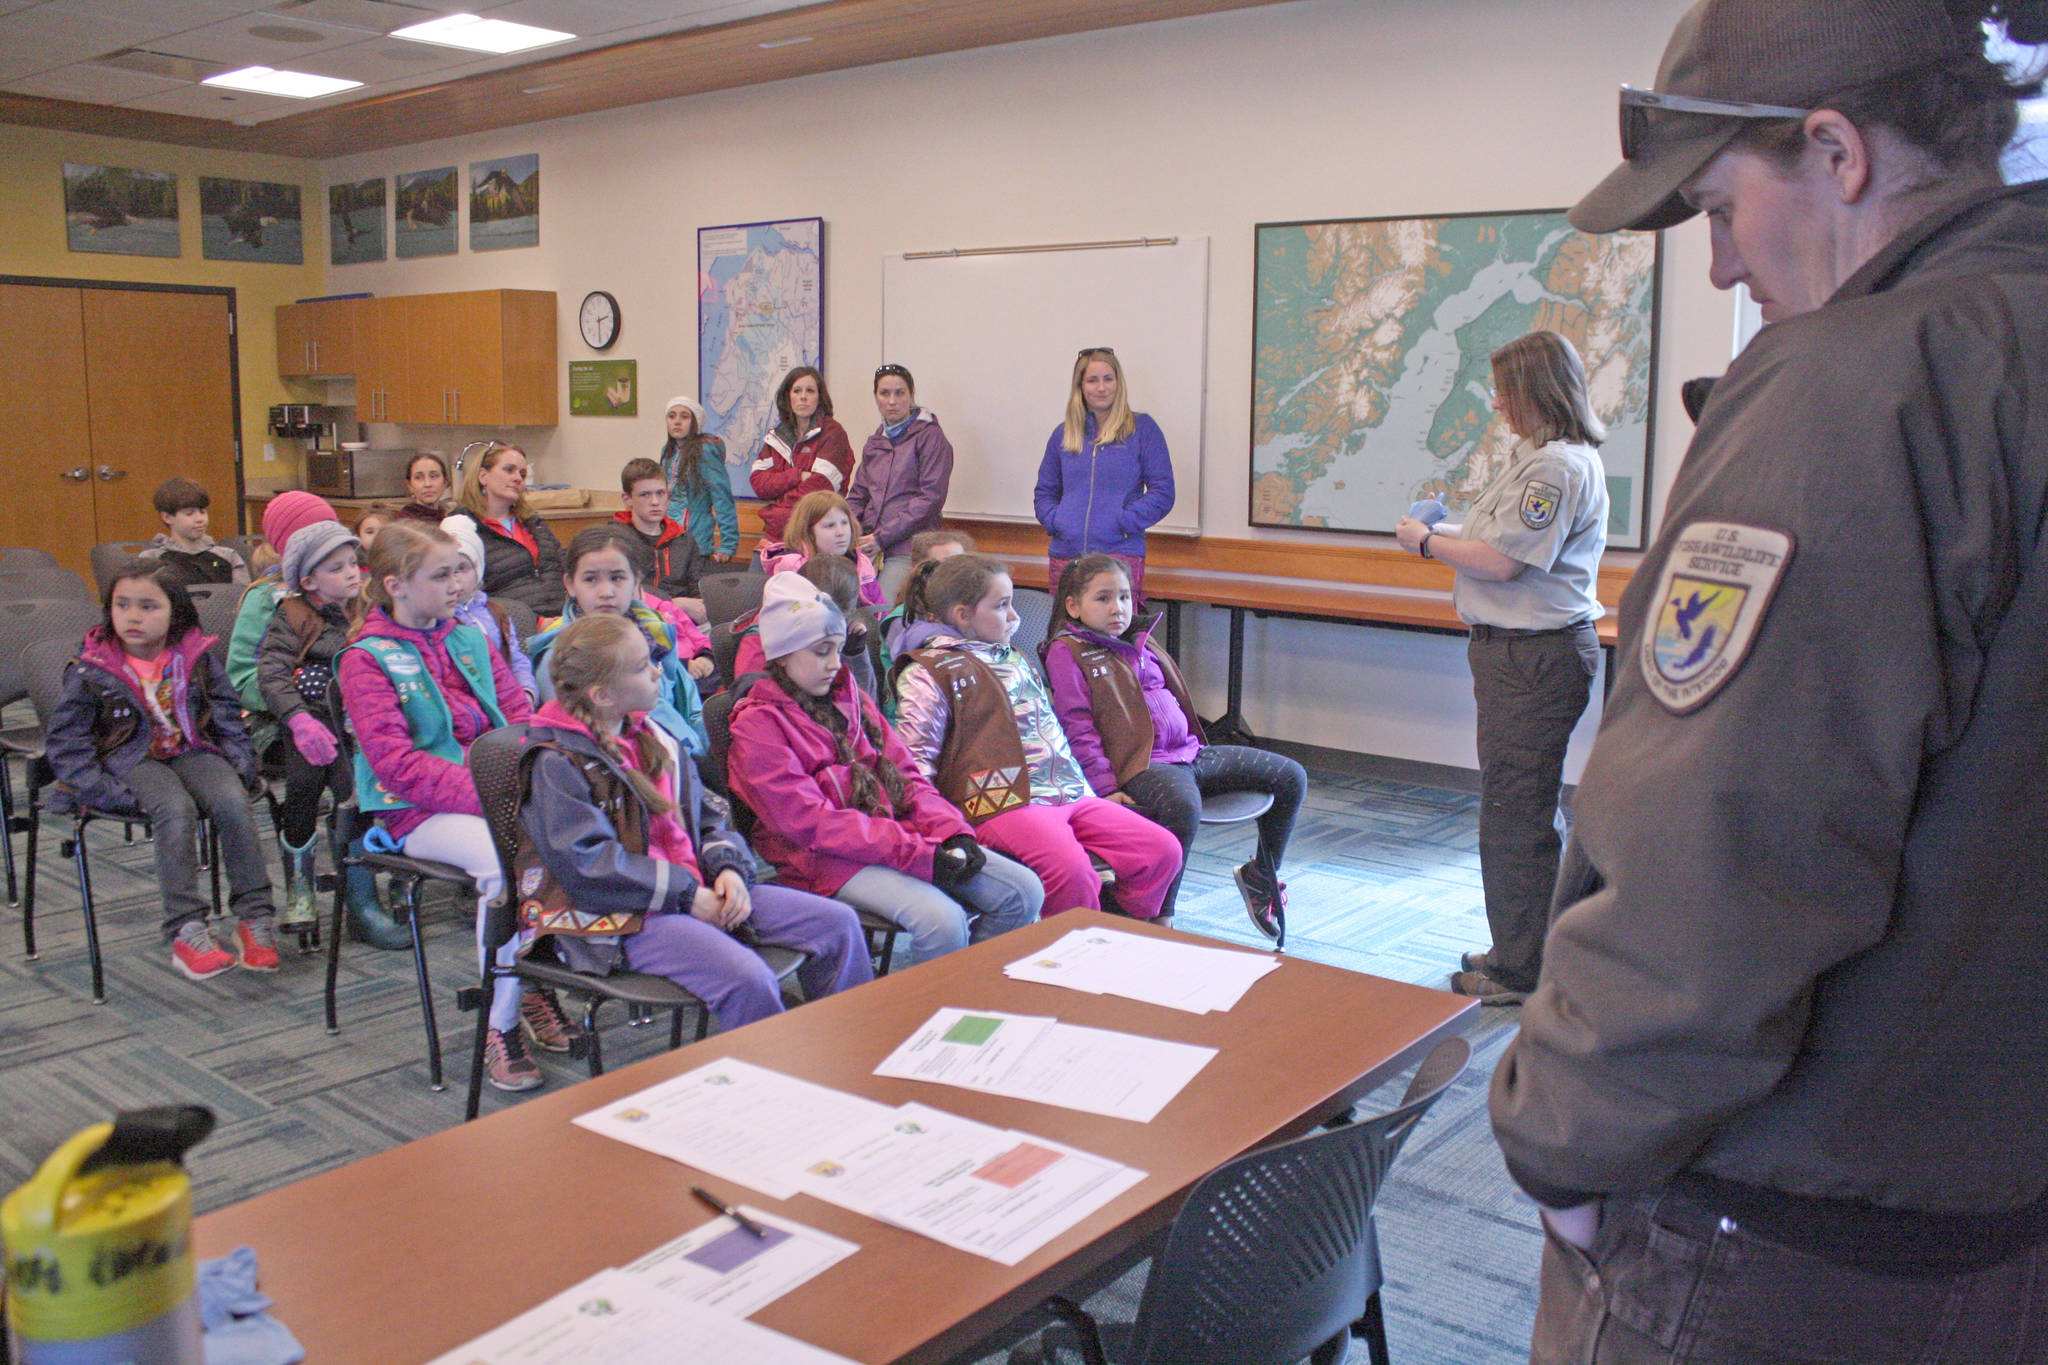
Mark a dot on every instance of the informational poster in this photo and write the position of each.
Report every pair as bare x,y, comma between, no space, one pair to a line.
604,388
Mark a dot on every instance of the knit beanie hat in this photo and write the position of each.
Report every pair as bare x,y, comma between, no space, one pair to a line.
794,615
288,512
469,542
685,401
309,545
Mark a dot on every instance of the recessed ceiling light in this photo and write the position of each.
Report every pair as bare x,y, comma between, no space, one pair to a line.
784,42
474,34
541,89
296,85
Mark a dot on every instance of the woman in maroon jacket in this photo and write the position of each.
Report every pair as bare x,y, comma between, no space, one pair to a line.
806,451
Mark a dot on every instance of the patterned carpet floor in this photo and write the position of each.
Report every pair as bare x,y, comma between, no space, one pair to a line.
1383,877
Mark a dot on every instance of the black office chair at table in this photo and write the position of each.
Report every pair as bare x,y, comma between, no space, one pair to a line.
1273,1258
497,761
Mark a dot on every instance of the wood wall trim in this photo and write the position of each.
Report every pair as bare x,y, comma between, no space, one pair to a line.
841,34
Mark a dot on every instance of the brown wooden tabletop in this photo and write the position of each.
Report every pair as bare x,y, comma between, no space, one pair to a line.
410,1253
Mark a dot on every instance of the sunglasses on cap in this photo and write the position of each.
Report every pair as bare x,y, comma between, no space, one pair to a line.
1637,106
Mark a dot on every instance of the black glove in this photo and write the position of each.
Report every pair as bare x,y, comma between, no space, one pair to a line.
958,860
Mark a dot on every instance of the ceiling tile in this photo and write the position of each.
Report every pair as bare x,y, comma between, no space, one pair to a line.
94,84
57,37
391,59
584,18
204,101
159,16
257,39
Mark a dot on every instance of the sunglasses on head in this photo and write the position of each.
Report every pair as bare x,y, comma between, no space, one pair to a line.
896,370
1638,106
1094,350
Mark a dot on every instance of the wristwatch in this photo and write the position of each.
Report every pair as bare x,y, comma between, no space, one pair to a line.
1423,548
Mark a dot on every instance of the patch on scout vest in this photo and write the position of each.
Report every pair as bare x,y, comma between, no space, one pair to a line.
1711,597
402,663
1539,503
988,793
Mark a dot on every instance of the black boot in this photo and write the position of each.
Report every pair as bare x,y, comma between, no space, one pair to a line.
368,921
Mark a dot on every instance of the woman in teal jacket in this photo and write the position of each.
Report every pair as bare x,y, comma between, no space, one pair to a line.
699,488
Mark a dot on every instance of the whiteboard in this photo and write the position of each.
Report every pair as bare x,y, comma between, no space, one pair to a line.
992,341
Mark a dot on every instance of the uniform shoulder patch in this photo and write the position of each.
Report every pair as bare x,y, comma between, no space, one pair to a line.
1539,503
1711,597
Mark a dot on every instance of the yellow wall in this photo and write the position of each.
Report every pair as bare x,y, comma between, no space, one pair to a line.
32,242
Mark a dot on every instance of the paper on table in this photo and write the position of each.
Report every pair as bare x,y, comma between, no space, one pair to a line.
965,1047
989,1191
1098,1071
723,1266
614,1318
1183,976
734,1120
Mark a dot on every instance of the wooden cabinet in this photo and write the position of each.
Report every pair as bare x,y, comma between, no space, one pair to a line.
479,358
317,338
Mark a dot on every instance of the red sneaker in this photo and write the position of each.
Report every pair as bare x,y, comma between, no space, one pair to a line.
256,943
194,952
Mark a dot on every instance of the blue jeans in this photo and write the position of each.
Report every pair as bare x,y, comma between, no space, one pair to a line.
1004,895
1670,1282
173,794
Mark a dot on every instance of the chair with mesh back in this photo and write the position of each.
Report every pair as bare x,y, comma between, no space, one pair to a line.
23,624
880,933
725,650
1274,1256
1034,613
14,558
110,555
242,545
731,595
44,669
525,620
498,762
45,580
217,604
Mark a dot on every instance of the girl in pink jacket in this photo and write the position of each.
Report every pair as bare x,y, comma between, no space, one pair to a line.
843,810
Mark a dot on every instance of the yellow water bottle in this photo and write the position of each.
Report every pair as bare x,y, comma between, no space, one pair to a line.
99,1247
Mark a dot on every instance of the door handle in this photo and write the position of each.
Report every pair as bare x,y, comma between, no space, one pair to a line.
108,473
455,405
78,475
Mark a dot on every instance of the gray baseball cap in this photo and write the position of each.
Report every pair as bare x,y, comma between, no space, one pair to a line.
1732,61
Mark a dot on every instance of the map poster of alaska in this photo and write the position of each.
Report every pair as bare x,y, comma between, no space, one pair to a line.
760,314
1372,385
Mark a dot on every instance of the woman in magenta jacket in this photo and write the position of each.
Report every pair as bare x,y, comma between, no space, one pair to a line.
1107,474
806,451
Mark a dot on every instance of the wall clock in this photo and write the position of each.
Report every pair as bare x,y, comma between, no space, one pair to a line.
598,319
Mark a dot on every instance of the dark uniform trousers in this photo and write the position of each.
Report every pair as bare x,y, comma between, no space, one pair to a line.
1671,1282
1531,688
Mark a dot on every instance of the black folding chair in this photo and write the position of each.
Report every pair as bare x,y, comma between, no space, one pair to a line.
23,624
1274,1256
498,762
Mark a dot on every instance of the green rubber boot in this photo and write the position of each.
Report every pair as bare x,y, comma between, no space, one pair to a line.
368,921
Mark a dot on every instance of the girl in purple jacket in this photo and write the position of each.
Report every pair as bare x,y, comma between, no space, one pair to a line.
419,685
148,727
1128,718
905,470
1106,475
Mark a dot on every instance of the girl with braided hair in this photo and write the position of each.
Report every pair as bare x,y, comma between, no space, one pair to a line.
629,863
843,809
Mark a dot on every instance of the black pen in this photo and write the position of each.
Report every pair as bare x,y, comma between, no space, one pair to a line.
712,1201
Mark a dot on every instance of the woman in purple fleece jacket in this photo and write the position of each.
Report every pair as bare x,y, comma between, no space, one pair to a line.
905,470
1107,474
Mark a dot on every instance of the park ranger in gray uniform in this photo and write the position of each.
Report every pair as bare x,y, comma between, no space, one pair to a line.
1527,558
1781,1087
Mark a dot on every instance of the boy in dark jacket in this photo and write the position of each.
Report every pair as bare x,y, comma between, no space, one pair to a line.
678,561
183,544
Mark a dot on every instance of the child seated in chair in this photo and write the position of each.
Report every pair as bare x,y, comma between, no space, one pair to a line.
630,863
148,729
183,545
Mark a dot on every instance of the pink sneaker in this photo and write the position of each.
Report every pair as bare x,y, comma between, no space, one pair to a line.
194,952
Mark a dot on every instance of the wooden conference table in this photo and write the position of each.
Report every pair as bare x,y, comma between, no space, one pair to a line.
407,1254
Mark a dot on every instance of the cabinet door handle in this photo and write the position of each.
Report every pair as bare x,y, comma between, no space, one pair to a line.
316,357
306,353
457,395
79,475
108,473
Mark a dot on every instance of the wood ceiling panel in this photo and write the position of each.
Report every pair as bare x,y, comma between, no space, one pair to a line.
841,34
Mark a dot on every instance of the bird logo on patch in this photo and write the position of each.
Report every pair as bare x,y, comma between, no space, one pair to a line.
1694,625
1539,504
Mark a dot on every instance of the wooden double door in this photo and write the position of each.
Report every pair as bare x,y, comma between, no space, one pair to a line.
106,391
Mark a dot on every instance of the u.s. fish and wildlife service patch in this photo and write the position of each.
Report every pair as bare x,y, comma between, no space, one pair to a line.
1539,503
1711,597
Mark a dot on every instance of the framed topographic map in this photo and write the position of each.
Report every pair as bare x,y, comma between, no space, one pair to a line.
1371,379
760,314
